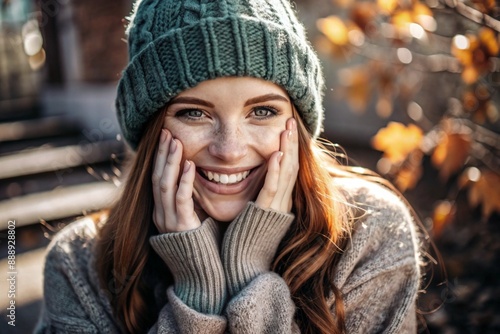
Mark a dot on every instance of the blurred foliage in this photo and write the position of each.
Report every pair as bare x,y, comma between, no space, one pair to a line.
392,50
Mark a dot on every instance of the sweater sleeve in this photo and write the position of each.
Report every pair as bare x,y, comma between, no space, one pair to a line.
261,301
176,317
250,244
194,260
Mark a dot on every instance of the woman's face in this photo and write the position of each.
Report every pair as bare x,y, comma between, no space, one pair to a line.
229,127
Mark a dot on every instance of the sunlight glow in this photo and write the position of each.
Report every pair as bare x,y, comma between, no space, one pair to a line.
474,174
356,37
461,42
415,111
417,31
32,43
404,55
384,166
427,22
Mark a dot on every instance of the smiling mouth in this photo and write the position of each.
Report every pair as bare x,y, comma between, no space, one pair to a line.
225,178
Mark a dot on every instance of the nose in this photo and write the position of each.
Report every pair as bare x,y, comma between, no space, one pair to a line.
229,143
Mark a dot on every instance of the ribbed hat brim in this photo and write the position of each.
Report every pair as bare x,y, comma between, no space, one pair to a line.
212,48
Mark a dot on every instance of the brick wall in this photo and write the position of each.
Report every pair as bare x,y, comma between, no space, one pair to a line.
101,37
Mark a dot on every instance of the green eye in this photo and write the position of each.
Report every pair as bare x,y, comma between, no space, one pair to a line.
190,114
194,113
264,112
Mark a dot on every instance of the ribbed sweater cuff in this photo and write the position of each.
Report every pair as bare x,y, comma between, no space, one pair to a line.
250,244
193,258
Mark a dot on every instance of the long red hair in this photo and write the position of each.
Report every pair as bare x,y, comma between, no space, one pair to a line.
306,258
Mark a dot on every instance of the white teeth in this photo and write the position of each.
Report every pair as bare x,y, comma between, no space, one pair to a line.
226,178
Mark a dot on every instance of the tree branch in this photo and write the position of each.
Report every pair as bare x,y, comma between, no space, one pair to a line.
472,14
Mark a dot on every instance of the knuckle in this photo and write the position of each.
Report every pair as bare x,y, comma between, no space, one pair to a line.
155,178
163,186
171,160
181,198
271,192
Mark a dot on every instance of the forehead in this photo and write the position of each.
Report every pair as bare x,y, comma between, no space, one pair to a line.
234,87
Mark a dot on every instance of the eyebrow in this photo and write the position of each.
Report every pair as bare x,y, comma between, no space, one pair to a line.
191,100
253,100
264,98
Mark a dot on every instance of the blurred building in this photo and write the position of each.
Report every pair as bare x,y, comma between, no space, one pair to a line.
86,52
60,151
21,58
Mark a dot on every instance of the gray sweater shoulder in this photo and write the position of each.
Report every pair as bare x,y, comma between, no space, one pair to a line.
76,300
80,233
384,236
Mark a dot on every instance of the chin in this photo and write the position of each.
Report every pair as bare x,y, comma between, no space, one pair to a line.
225,211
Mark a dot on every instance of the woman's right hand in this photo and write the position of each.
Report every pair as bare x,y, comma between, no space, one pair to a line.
173,198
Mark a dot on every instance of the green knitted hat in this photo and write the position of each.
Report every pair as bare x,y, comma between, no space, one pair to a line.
176,44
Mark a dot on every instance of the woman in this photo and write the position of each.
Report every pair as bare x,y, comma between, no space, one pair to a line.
232,218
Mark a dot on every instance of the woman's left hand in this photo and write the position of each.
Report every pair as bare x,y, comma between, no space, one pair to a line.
282,170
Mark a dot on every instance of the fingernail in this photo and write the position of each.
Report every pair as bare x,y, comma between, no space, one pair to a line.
289,134
173,146
280,155
187,165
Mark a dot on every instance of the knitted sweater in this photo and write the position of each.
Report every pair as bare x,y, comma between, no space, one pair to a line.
224,283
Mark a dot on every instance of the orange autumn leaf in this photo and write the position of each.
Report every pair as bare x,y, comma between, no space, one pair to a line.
402,18
450,154
477,101
356,87
461,48
343,3
334,29
386,80
470,74
488,38
474,52
397,140
486,192
444,214
405,15
484,6
419,9
384,105
410,172
363,14
387,6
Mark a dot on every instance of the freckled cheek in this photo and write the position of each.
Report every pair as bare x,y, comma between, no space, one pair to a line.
267,141
192,143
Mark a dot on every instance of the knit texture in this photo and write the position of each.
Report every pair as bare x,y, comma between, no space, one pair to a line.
257,232
378,275
176,44
205,288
